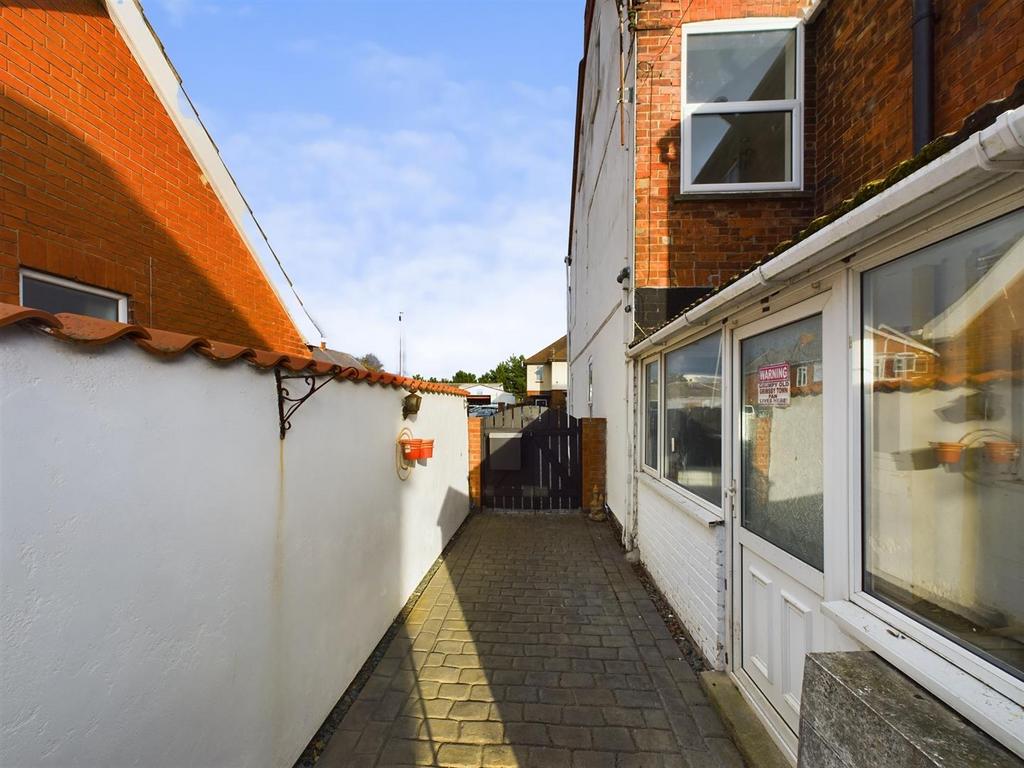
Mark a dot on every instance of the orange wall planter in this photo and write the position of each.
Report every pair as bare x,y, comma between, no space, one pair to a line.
1001,451
948,453
412,449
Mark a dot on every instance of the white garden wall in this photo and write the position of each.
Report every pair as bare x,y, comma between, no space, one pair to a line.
179,586
686,557
600,247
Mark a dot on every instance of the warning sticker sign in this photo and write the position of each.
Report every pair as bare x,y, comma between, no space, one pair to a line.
773,385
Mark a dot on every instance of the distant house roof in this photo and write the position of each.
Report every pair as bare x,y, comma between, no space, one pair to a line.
489,385
556,352
337,357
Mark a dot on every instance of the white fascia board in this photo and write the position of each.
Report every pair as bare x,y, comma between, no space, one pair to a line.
149,53
982,158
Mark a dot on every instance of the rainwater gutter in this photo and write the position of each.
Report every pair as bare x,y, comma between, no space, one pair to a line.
996,150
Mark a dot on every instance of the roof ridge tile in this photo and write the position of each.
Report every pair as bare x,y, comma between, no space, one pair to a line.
94,331
14,314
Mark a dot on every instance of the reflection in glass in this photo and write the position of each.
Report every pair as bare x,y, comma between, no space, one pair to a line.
651,410
782,438
742,147
693,417
943,358
741,66
50,297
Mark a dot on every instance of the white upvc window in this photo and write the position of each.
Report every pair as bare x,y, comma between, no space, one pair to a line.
742,97
50,293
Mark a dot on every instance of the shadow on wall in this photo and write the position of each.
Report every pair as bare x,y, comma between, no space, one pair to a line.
68,212
402,697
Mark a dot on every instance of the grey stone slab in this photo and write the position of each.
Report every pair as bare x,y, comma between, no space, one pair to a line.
868,713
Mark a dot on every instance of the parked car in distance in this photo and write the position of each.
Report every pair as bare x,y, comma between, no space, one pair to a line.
482,411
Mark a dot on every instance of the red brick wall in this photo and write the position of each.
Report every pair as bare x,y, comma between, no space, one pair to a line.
475,453
864,50
858,119
98,186
693,243
979,56
594,462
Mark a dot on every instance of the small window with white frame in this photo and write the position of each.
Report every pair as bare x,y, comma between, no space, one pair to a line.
652,413
50,293
742,105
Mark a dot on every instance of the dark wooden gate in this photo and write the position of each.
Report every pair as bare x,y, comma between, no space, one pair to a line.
531,459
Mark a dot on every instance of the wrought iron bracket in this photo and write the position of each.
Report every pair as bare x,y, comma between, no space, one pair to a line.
287,404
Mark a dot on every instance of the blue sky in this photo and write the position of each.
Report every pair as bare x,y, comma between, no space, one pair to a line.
406,155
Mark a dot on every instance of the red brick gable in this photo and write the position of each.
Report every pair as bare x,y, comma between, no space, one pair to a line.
98,185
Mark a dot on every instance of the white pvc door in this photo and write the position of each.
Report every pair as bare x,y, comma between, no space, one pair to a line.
778,529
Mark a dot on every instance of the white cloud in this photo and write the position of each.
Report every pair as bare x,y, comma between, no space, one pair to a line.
455,214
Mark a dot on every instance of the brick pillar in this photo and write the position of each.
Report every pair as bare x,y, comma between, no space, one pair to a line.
594,468
475,445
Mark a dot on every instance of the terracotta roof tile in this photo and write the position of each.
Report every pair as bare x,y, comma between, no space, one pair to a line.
223,352
12,314
171,344
94,331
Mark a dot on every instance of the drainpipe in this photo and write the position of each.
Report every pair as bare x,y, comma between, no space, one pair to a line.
923,28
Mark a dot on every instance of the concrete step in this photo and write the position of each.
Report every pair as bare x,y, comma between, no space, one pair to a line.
751,737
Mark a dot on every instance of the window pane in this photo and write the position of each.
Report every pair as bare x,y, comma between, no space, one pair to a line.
58,298
742,147
693,417
782,438
741,66
651,409
943,356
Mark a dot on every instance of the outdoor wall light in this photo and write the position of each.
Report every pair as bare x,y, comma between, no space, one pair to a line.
410,405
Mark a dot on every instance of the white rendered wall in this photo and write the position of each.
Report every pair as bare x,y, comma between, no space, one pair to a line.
601,245
180,587
559,374
686,557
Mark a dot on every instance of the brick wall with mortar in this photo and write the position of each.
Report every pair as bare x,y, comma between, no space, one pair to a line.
863,50
475,454
695,243
857,117
594,462
98,185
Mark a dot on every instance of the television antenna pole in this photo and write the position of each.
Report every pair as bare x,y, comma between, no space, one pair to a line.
401,346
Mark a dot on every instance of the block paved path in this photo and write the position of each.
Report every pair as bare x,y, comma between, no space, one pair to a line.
533,645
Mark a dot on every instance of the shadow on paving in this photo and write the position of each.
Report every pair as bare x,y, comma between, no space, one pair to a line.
533,644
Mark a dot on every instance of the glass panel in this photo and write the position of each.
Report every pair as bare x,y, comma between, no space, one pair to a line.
943,356
650,409
58,298
741,66
693,417
742,147
781,433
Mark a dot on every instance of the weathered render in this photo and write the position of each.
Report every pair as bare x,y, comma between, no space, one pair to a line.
180,585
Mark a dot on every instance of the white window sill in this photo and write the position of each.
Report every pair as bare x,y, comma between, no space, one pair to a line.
681,500
990,710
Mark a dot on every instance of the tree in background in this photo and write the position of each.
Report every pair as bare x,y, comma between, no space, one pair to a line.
464,377
510,373
371,362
